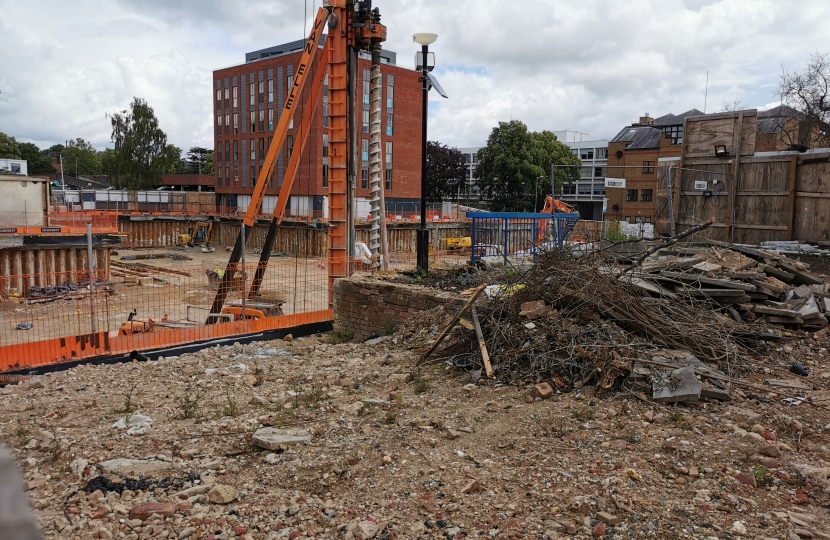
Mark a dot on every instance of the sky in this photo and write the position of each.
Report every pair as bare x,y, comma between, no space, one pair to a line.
591,66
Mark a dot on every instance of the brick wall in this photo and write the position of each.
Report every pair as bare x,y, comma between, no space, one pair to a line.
370,308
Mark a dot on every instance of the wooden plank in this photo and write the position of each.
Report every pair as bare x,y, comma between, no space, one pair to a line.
452,324
777,273
761,227
783,320
800,277
733,187
749,252
766,310
689,278
710,293
791,200
768,286
482,345
811,195
764,193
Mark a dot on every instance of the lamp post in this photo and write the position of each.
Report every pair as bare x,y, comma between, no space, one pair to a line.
422,249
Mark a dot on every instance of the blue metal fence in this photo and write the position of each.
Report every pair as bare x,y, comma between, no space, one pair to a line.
509,233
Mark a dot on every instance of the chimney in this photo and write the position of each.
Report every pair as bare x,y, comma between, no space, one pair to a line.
646,120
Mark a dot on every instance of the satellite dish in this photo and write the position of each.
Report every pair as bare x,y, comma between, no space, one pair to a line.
434,82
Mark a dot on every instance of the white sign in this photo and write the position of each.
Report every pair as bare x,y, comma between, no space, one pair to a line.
701,185
615,182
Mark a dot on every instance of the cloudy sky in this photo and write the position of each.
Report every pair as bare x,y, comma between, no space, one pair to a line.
584,65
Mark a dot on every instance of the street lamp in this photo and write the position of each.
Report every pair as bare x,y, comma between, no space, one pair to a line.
422,249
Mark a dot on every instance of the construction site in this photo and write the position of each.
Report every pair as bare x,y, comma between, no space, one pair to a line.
172,369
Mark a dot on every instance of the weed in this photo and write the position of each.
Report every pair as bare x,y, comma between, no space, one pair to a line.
21,432
391,417
761,474
616,236
231,407
188,404
283,415
583,413
129,406
340,336
421,384
389,327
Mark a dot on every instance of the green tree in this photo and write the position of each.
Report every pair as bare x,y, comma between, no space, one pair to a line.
195,161
516,165
53,151
141,149
9,147
81,159
446,172
36,163
208,165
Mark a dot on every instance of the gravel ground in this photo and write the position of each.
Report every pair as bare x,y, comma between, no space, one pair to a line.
394,455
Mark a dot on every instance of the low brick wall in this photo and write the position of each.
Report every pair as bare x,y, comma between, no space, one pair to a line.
367,307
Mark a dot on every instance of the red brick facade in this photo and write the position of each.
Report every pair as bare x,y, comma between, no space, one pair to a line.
233,156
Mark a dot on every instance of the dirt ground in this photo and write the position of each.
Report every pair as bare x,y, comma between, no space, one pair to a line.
400,454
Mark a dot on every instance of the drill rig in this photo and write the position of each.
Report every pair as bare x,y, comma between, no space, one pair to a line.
352,26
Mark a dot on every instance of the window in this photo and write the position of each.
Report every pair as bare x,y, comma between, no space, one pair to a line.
646,195
290,82
599,189
261,149
364,150
253,150
631,195
235,123
227,152
648,220
585,172
325,176
253,175
364,179
289,143
235,151
325,114
219,176
252,93
227,124
389,116
638,219
586,153
219,124
599,172
675,133
262,119
628,219
235,97
219,156
584,189
388,179
365,120
261,89
366,77
569,190
236,173
388,153
390,91
227,176
270,90
218,101
325,145
253,121
648,167
601,153
227,95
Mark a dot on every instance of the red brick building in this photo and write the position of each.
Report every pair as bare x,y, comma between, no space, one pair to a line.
634,154
248,101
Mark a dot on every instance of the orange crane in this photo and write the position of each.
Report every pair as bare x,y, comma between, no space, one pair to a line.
352,26
551,205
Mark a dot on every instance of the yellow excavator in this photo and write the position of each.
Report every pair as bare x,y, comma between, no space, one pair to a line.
199,235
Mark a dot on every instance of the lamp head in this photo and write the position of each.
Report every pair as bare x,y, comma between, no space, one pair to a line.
424,38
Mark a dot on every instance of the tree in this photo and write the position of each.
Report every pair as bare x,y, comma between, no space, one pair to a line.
807,93
515,167
35,162
732,105
81,159
9,147
446,172
208,165
53,151
194,163
142,154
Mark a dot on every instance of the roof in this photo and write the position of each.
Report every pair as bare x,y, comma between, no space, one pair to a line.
639,137
772,121
676,120
298,46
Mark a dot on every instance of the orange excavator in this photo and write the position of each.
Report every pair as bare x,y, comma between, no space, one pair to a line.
552,205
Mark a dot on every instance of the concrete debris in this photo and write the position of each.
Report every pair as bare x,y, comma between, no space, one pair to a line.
274,439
